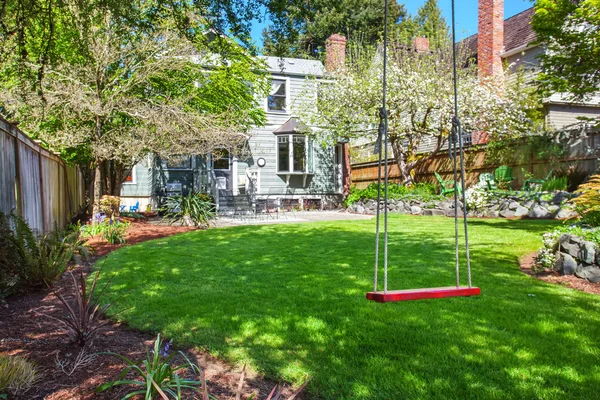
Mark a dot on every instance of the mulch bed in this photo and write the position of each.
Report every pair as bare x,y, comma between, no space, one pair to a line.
571,281
24,331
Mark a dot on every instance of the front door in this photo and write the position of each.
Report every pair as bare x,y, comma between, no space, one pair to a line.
223,172
339,168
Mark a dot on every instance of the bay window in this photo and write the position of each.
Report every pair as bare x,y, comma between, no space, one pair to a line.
294,154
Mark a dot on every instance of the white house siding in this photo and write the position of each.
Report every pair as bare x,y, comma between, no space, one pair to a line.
526,61
563,115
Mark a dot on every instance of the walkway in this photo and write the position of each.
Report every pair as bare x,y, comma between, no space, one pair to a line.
289,217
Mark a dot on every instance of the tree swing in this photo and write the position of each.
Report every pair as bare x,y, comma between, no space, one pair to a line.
454,143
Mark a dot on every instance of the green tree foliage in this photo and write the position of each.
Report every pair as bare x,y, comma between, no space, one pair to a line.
432,25
299,28
571,32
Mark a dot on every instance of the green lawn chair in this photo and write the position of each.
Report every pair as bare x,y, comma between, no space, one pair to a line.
529,182
447,187
503,176
488,180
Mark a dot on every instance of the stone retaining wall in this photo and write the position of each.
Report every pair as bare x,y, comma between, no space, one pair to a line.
538,206
576,256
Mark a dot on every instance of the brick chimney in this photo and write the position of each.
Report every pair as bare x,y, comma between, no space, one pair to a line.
335,52
490,37
421,44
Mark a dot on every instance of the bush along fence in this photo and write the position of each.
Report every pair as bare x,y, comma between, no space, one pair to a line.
35,183
503,204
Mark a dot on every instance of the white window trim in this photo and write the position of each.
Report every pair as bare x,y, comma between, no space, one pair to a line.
290,137
287,96
133,177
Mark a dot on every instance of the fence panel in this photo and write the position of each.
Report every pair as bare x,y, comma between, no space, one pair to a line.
36,183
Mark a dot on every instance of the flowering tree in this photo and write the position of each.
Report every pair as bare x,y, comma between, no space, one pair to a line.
420,104
117,92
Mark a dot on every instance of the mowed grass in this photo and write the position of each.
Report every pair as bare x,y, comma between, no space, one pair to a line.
289,300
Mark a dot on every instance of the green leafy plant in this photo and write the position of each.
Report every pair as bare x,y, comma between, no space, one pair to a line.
587,204
114,231
195,209
86,316
110,205
17,374
555,184
422,191
133,215
155,376
35,261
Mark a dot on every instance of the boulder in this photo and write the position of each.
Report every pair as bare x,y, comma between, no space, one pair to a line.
507,214
538,212
566,213
433,212
569,244
589,272
565,264
416,210
553,209
521,211
587,252
492,214
450,213
359,209
513,205
528,204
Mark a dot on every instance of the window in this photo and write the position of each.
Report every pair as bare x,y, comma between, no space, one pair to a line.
177,162
221,159
277,100
293,154
130,177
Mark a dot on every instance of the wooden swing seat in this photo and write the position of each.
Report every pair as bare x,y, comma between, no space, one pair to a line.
425,293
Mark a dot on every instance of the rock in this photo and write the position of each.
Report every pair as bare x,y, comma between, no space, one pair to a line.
598,258
553,209
416,210
446,205
521,211
450,213
359,209
507,214
587,252
492,214
504,205
568,244
371,205
538,212
566,213
589,272
433,212
513,205
528,204
565,264
544,203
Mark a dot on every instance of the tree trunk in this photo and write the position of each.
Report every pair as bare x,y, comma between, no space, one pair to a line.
97,187
403,166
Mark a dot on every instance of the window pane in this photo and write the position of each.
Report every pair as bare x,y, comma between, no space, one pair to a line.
177,162
277,96
284,154
299,154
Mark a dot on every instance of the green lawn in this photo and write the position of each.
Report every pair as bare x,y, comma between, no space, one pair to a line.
290,301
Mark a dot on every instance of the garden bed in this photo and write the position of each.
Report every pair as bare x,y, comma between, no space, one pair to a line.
25,332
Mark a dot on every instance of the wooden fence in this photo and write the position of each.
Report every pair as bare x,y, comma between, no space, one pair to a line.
582,159
36,183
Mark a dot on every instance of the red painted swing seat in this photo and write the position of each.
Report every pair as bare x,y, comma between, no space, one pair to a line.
419,294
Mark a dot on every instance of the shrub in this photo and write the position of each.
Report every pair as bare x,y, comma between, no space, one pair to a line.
422,191
133,215
110,205
112,230
85,317
555,184
32,260
156,375
587,204
546,255
17,374
195,209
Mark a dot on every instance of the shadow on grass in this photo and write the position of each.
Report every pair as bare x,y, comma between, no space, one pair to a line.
289,300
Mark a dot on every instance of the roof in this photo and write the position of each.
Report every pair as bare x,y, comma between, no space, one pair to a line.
292,125
294,66
517,32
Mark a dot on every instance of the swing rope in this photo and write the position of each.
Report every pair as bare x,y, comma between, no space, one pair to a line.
455,148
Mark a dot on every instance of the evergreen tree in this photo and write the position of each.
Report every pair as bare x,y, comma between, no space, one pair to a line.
432,25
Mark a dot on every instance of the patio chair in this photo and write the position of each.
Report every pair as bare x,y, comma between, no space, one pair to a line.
273,202
447,187
488,180
135,208
503,175
528,185
288,200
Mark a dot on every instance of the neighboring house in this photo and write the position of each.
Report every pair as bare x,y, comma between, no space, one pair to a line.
282,161
510,43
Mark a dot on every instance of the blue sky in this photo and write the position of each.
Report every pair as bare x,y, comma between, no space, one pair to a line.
466,15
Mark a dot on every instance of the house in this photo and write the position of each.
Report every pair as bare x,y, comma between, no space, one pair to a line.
281,162
504,46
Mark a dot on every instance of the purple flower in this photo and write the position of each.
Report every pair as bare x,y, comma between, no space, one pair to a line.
167,347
